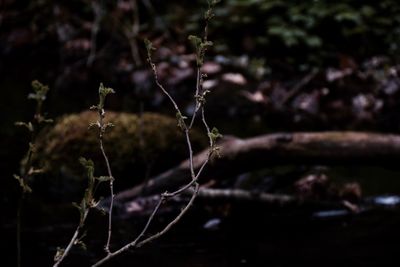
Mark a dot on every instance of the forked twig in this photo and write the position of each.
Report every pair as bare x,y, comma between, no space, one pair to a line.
136,243
62,253
201,45
88,200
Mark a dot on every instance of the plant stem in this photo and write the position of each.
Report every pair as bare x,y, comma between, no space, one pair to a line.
197,94
199,98
136,242
103,152
73,240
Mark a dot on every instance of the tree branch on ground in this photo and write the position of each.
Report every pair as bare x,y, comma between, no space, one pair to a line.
241,155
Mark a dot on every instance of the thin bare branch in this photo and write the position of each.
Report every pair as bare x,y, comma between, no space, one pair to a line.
154,69
203,119
199,98
198,103
103,152
187,186
136,243
73,240
176,220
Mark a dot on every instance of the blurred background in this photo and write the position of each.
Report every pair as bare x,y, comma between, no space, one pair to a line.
275,66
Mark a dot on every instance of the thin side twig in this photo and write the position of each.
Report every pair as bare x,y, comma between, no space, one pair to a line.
199,79
136,242
154,69
73,240
198,103
176,220
165,196
199,98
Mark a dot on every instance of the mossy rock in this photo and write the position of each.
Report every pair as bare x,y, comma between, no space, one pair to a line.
135,144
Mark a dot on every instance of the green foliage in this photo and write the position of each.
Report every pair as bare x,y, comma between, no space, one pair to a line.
300,22
27,169
89,166
103,92
309,29
40,91
209,13
200,46
59,254
181,120
215,135
88,201
23,184
201,98
149,47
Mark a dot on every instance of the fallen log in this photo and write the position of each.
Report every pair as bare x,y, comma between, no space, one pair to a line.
143,206
238,195
241,155
245,196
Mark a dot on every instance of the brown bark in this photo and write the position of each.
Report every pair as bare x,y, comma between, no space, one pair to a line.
279,200
143,206
241,155
238,195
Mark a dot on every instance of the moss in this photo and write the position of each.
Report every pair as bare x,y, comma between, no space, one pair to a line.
132,145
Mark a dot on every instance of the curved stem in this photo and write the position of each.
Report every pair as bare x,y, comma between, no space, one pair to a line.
187,186
154,68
